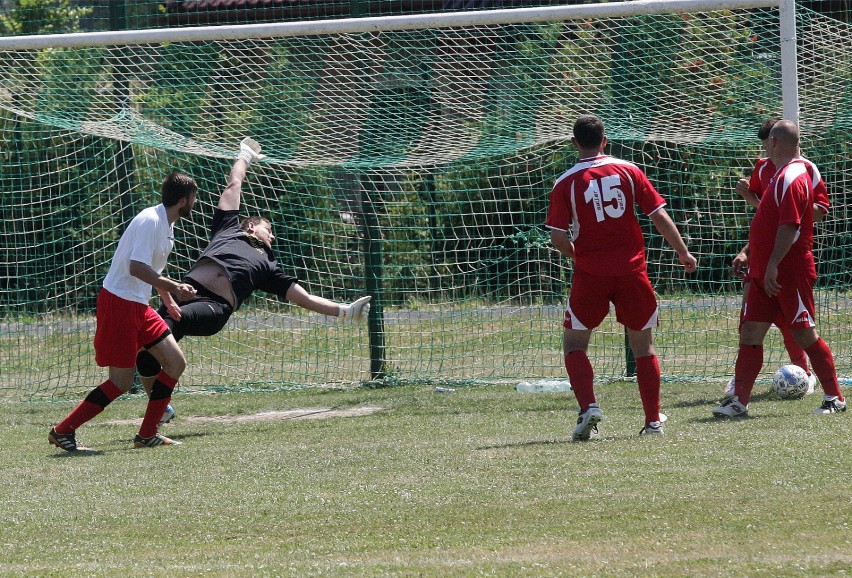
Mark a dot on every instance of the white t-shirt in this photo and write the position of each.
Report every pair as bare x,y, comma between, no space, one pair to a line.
148,239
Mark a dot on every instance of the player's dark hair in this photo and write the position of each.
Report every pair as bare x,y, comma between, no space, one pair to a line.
767,125
252,221
589,131
177,186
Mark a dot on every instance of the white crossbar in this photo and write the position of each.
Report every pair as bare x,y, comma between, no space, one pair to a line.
375,24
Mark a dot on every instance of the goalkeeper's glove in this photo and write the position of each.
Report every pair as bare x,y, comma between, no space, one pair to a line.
249,151
355,311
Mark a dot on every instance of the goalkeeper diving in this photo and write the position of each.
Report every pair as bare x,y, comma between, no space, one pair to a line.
237,261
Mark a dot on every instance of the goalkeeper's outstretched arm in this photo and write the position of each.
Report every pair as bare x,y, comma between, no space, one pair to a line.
358,310
249,152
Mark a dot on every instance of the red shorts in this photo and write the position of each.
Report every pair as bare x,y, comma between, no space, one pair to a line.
124,327
633,297
793,306
779,321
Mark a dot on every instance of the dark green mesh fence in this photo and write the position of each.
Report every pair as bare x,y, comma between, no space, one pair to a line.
415,166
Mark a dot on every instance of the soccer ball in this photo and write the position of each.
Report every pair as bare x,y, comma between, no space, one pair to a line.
790,382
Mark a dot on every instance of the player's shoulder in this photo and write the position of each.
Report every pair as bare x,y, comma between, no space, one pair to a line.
807,161
796,167
225,222
617,161
153,214
598,164
812,169
791,172
217,210
225,215
764,168
609,161
632,170
152,211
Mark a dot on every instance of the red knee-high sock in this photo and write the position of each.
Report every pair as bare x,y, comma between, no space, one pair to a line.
794,350
582,377
95,402
749,364
648,379
823,362
161,395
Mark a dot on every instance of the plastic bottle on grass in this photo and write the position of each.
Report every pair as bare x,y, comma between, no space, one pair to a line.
544,386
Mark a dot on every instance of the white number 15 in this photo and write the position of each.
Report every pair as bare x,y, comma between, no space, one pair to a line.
605,196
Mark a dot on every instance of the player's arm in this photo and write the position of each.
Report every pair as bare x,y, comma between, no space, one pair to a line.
784,239
746,193
819,213
171,305
668,230
562,242
230,198
821,202
145,273
740,263
358,310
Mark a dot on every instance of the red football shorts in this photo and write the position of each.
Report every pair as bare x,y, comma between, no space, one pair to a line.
793,306
124,327
634,299
779,321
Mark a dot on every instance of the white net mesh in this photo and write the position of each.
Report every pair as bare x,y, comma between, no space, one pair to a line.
415,166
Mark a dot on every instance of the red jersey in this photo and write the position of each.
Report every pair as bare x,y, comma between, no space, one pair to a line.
764,169
595,200
788,200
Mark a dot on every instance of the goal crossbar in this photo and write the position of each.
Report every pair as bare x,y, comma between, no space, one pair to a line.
375,24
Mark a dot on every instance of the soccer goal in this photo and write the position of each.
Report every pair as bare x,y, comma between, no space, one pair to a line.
411,158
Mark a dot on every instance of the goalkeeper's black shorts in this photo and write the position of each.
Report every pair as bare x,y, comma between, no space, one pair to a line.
204,314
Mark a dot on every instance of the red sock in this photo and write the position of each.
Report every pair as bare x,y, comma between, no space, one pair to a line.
794,350
749,364
823,362
95,402
582,377
161,395
648,379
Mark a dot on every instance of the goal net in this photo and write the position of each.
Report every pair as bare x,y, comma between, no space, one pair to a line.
413,165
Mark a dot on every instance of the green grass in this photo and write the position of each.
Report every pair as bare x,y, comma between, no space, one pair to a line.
480,482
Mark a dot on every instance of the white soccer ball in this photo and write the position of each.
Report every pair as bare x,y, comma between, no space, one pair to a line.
790,382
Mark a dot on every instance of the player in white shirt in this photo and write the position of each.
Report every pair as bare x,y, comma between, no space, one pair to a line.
126,322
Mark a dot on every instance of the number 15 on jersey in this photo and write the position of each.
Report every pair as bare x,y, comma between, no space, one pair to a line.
606,197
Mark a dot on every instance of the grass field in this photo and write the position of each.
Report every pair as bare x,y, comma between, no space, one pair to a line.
483,481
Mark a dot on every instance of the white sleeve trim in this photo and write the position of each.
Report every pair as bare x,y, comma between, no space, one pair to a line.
657,209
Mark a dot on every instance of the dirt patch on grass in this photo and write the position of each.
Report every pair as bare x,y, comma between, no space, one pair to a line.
267,416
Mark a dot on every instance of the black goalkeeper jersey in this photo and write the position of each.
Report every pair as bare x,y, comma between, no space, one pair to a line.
249,266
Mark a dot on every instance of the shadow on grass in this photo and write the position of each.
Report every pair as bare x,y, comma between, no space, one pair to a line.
712,402
524,444
77,454
713,419
176,437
